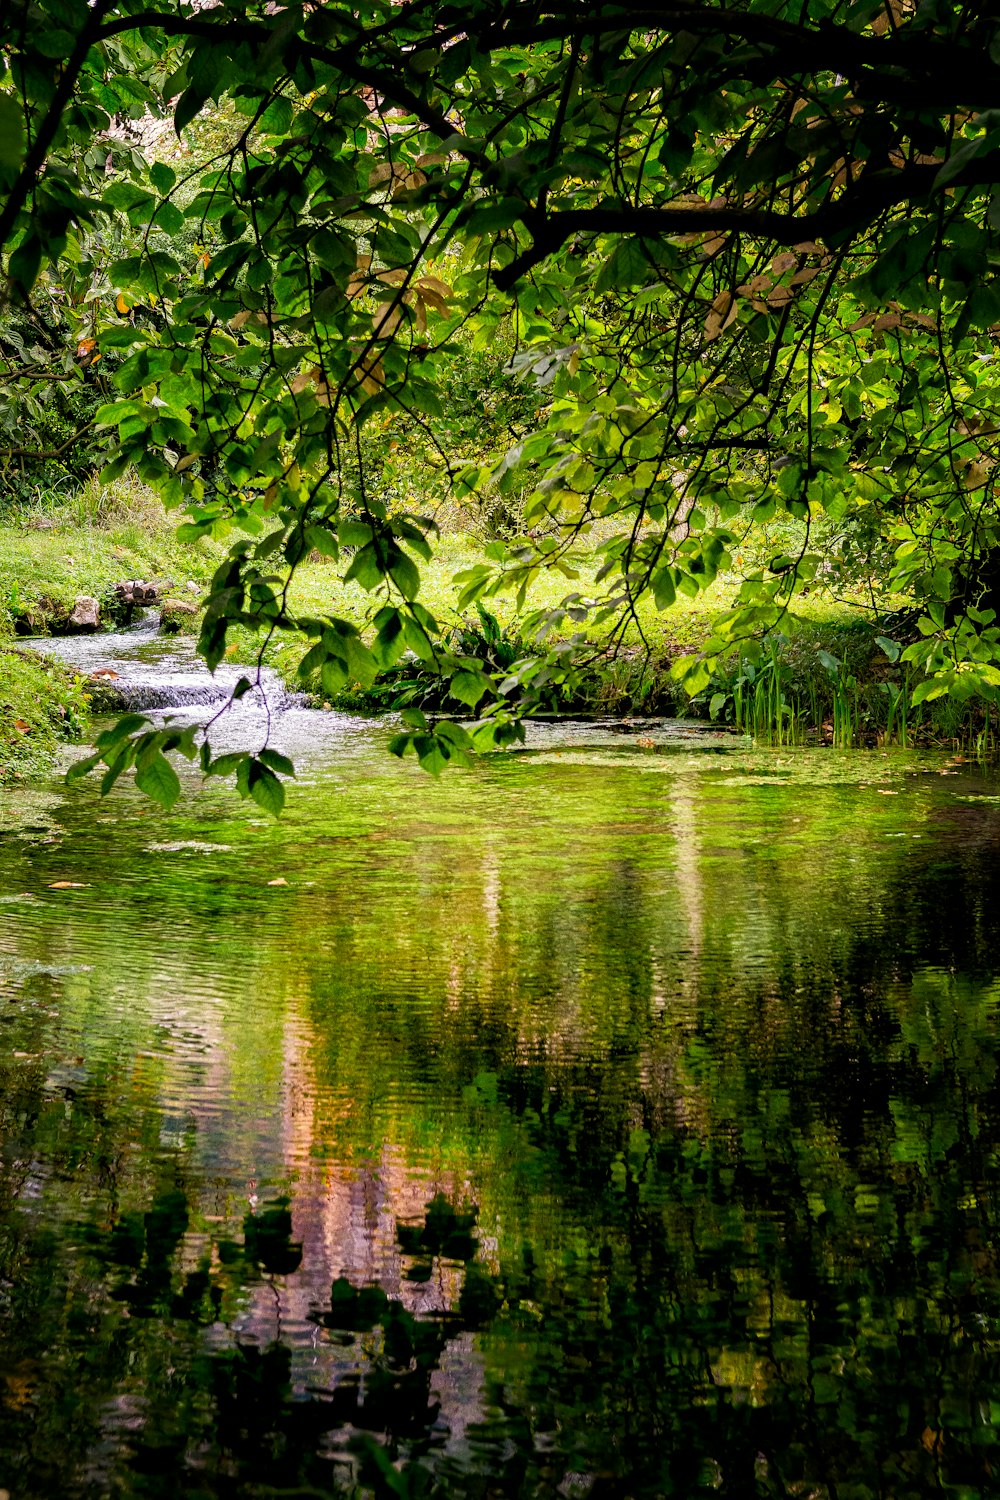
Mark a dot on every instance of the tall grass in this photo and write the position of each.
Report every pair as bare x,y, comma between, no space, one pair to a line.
794,697
124,503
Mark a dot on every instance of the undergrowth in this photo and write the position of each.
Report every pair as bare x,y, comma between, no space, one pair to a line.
41,703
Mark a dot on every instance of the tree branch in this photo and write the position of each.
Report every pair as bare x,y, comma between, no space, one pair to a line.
47,452
947,73
855,210
46,133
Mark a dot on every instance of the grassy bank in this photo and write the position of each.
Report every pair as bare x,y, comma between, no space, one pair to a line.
99,537
49,556
823,676
40,704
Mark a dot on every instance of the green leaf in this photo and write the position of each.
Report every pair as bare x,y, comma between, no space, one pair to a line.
225,765
890,647
469,687
11,136
190,104
405,574
158,779
927,691
630,264
360,661
162,177
265,788
25,262
277,762
169,218
81,767
123,729
365,568
277,116
664,592
390,642
53,42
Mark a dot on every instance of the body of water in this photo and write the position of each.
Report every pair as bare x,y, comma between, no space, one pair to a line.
618,1117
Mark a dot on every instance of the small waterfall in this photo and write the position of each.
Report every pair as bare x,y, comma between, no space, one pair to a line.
138,669
139,695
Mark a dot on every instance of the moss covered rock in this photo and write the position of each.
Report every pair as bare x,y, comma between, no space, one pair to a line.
177,615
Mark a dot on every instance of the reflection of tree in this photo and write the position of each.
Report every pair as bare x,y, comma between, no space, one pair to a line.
738,1218
790,1292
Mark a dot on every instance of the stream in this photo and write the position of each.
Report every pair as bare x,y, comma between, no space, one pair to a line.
617,1117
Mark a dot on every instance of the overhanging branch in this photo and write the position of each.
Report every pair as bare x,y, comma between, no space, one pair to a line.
856,210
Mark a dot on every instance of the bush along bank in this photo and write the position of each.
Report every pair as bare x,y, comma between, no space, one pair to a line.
839,685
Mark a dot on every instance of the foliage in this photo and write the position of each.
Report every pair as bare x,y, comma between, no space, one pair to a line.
746,255
101,535
40,703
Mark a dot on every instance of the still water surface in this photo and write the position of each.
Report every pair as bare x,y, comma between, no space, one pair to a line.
611,1119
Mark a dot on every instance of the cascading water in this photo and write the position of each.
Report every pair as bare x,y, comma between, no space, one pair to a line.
139,669
142,671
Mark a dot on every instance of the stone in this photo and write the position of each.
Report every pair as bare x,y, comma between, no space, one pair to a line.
174,613
85,616
136,591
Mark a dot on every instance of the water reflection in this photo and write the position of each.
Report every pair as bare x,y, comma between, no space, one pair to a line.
598,1122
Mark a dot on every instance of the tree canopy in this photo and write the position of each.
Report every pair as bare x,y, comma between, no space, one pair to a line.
746,254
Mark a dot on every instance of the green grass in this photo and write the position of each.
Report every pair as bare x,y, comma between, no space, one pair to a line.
317,589
49,558
40,704
822,675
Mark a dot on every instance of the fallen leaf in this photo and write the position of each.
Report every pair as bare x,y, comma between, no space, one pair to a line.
67,885
883,792
22,726
104,672
280,881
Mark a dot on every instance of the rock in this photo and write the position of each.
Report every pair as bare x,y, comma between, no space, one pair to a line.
136,591
85,616
174,613
192,586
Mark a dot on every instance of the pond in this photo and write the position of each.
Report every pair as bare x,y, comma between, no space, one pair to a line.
618,1117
